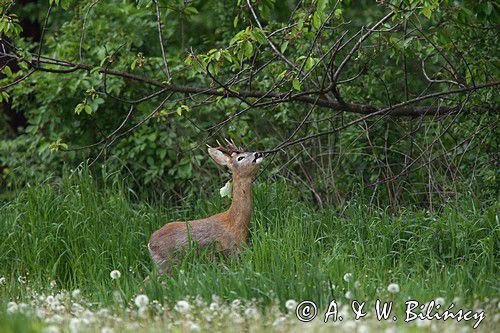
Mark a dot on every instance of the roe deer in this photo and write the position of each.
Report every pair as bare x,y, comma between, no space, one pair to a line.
225,231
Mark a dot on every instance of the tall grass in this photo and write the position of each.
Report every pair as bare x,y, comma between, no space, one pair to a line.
75,232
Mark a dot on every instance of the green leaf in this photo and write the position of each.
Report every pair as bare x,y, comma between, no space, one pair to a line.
282,74
296,84
5,96
79,108
427,11
316,21
488,9
191,11
248,48
235,22
6,70
284,46
88,109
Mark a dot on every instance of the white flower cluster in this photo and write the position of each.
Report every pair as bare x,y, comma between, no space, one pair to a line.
70,311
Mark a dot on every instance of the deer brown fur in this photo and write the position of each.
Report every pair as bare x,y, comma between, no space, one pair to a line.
226,231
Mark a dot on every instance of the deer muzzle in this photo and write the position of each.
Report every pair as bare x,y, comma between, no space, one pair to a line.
258,157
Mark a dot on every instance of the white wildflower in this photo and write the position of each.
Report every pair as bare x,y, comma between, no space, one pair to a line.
195,327
226,190
115,274
141,301
440,301
12,307
279,321
393,288
390,329
347,277
291,304
103,312
74,325
3,282
51,329
252,313
216,298
214,307
235,304
57,319
349,326
75,307
23,307
348,295
363,329
76,293
50,300
88,316
236,318
21,279
182,307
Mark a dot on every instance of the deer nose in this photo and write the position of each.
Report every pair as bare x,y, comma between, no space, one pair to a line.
256,156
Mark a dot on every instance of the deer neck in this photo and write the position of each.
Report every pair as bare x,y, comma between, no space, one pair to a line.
241,207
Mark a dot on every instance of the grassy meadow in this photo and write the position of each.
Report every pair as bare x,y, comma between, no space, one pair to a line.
61,240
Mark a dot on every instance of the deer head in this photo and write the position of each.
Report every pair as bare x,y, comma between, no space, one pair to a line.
241,163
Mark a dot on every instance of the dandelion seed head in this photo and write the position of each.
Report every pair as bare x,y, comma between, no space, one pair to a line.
115,274
3,282
291,304
12,307
76,293
74,325
347,277
235,304
182,307
279,321
393,288
348,295
194,327
422,322
236,318
363,329
75,307
23,307
214,307
252,313
440,301
51,329
141,301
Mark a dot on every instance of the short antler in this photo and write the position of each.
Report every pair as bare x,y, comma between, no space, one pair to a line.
230,148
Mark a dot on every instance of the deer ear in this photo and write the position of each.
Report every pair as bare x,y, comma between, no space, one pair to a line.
219,157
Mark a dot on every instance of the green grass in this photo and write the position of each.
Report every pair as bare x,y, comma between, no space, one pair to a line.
75,232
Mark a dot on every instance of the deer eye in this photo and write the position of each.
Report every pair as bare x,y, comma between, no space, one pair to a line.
240,158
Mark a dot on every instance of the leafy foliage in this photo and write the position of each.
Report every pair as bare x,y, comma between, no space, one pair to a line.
207,40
